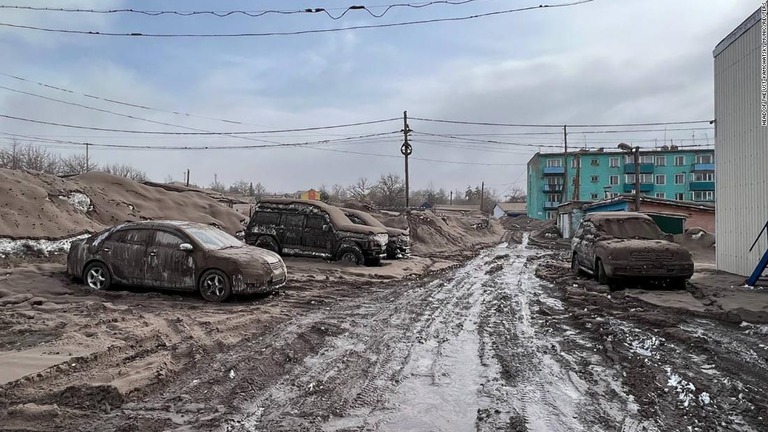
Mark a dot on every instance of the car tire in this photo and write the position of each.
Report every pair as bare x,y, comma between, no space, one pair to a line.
575,268
97,276
679,284
268,243
351,254
373,262
214,286
603,278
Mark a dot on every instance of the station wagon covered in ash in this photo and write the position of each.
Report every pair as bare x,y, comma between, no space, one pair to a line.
314,229
175,255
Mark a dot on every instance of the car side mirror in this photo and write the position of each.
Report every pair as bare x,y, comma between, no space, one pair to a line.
186,247
326,228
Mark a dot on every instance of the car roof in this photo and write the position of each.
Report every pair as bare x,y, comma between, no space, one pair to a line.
150,224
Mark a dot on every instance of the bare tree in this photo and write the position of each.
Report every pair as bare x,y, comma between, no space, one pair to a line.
390,191
240,187
76,164
168,179
126,171
360,189
11,158
338,193
516,195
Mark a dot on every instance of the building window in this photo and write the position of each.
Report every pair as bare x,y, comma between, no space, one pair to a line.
595,179
554,163
551,215
661,179
629,158
680,196
614,162
613,180
595,162
660,195
679,179
593,196
679,160
554,197
703,196
699,177
630,179
576,162
646,178
661,161
704,159
646,159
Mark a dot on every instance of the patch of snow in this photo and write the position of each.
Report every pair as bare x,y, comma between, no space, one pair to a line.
44,247
644,347
79,201
685,390
231,374
697,235
704,398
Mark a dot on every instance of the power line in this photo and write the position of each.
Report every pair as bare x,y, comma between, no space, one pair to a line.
417,158
297,32
131,131
251,14
560,125
488,141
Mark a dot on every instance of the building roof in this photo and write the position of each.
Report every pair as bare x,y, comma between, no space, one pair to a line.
737,32
512,207
674,203
617,152
455,207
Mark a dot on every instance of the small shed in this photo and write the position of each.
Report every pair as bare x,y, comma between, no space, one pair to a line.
509,209
569,217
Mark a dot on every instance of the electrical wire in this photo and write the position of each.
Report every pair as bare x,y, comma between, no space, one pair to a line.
560,125
418,158
131,131
487,141
251,14
298,32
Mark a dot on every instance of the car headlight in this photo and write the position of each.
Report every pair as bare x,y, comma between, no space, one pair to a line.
381,239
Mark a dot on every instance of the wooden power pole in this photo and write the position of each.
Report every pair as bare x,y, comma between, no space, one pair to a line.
406,149
565,163
482,195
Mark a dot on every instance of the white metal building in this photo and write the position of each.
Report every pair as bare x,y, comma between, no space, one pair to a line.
741,150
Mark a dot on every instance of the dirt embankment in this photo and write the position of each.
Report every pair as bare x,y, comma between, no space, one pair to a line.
34,205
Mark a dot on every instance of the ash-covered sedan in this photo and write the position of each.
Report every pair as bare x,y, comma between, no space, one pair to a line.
175,255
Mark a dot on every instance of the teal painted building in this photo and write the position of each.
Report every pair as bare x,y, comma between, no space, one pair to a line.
684,175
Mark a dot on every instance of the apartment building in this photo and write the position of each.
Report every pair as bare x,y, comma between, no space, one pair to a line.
683,175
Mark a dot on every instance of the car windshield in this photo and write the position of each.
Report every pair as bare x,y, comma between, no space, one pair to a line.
213,238
632,229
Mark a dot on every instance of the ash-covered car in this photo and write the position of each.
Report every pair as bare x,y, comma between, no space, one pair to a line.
314,229
399,244
621,246
175,255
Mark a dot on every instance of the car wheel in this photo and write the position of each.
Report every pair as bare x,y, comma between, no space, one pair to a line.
214,286
97,276
677,284
575,268
268,243
351,254
373,262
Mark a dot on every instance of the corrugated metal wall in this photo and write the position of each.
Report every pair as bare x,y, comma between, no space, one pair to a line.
741,155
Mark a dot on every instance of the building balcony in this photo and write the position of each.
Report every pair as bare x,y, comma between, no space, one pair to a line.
644,187
548,187
645,168
554,170
702,186
551,205
702,167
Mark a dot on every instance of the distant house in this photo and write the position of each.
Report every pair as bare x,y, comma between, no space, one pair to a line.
509,209
672,216
308,195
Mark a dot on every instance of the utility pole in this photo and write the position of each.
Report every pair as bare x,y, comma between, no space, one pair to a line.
637,179
187,177
482,195
87,158
565,163
451,200
406,149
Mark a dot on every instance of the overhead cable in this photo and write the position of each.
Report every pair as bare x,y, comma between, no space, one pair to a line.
560,125
296,32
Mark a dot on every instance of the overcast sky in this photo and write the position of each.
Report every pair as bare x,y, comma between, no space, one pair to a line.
604,62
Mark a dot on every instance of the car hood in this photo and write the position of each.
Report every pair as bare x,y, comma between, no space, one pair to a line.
632,247
247,254
394,232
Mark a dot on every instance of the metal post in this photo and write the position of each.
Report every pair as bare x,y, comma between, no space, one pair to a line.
187,177
482,195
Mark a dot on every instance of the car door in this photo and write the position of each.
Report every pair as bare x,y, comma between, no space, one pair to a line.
318,236
168,266
293,231
126,251
589,238
576,243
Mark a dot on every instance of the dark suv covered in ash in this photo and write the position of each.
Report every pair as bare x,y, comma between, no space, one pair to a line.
621,246
314,229
399,245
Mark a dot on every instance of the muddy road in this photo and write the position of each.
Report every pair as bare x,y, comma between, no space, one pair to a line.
488,346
